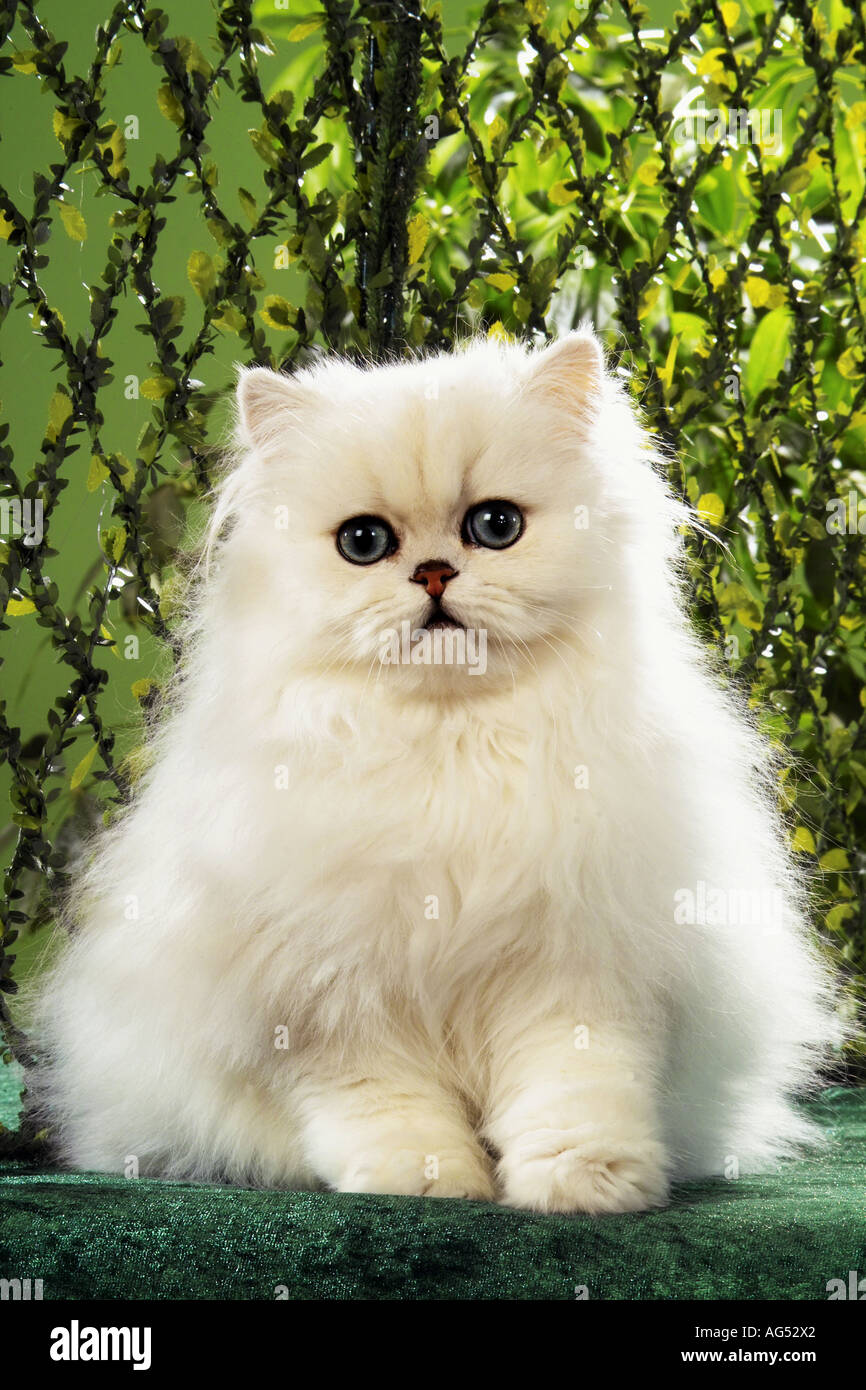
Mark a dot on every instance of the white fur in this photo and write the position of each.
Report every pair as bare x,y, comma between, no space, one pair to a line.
555,1037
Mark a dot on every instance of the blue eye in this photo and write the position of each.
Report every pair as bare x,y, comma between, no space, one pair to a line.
495,525
362,540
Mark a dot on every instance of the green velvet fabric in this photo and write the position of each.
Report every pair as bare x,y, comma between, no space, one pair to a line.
778,1236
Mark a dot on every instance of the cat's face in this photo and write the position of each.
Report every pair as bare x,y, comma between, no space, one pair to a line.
442,497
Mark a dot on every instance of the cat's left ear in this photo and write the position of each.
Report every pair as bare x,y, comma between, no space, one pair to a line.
570,372
268,403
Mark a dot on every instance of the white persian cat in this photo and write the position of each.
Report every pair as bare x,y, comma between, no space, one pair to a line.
517,924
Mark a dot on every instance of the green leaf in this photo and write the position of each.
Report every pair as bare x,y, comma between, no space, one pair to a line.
838,916
264,147
169,105
74,224
303,31
767,352
315,157
64,126
97,473
803,840
19,607
156,387
419,232
201,272
278,312
59,412
82,769
248,203
711,509
834,861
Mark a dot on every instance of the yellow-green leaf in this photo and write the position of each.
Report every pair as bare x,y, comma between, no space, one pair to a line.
648,172
59,412
82,769
803,840
711,509
248,203
303,31
17,607
419,230
114,542
498,333
74,224
856,116
103,630
501,280
156,387
798,178
128,476
667,372
22,61
5,227
838,915
560,196
758,290
730,13
834,861
115,146
97,473
767,352
230,318
142,687
169,105
496,130
201,272
711,66
848,365
64,126
278,312
649,299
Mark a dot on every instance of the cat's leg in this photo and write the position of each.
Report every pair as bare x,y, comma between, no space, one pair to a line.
404,1135
573,1114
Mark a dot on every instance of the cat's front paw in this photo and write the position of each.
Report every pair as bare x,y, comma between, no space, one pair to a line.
409,1171
583,1169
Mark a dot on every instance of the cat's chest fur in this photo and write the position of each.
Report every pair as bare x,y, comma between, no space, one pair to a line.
466,807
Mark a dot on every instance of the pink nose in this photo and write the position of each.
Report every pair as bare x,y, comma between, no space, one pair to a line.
435,575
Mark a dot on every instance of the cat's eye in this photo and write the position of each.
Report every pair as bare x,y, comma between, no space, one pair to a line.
362,540
495,525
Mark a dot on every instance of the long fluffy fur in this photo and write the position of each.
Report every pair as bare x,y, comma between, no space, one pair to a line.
257,987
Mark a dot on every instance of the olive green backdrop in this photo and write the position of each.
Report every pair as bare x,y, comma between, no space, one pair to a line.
237,183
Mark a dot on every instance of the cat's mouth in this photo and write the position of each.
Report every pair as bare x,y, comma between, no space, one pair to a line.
440,618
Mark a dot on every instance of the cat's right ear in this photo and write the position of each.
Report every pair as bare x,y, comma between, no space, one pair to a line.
267,404
570,372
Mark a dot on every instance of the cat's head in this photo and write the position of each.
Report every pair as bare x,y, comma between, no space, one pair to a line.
397,520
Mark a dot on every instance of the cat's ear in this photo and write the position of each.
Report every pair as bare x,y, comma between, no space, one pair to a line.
570,373
267,404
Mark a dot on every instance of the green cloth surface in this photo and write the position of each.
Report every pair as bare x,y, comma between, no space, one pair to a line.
782,1235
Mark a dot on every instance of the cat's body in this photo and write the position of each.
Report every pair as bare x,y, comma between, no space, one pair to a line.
404,928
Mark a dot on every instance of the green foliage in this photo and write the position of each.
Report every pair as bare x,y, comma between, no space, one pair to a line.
411,179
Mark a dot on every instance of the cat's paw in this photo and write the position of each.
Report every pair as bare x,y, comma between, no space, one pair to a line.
410,1172
582,1169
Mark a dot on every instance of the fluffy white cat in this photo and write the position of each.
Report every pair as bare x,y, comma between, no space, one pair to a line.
393,924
